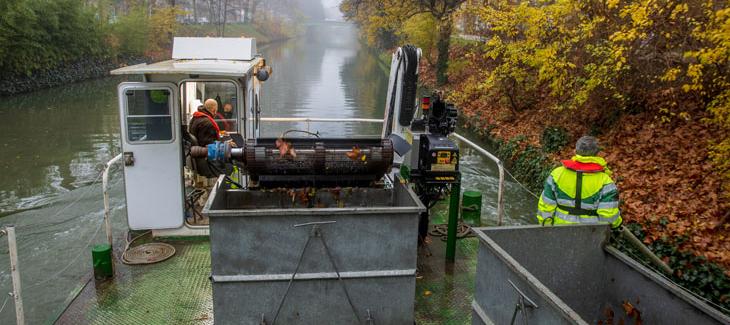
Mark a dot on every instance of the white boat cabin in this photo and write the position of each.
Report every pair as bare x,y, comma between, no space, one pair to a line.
155,112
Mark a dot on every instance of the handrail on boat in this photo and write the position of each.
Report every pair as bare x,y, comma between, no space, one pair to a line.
105,189
318,119
479,149
9,231
500,166
309,120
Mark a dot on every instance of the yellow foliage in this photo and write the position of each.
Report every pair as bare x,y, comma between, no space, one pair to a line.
420,30
163,24
612,54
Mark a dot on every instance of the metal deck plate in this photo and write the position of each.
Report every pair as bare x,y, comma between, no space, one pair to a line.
175,291
445,291
178,291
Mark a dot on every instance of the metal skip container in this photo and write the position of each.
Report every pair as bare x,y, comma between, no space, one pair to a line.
305,256
569,275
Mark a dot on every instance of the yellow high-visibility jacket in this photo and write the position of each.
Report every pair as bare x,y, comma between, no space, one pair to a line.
597,195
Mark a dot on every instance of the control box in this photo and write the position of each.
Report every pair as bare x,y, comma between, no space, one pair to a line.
438,159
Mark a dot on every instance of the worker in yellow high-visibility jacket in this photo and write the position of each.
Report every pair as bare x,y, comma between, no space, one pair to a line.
581,190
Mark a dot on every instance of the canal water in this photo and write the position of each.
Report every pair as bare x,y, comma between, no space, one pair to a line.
54,142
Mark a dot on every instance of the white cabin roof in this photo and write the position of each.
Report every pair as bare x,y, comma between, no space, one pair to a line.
221,56
231,68
222,48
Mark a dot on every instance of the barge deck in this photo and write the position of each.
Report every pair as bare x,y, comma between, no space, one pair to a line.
178,290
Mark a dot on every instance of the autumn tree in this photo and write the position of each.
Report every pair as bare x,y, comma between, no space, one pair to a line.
651,75
382,19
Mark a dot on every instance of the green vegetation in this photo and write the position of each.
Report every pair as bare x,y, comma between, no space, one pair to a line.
36,34
692,272
38,37
387,23
554,138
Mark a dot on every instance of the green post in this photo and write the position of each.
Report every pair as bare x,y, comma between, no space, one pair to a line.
471,208
453,221
101,256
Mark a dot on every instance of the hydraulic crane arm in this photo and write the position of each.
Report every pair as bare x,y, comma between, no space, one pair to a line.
400,104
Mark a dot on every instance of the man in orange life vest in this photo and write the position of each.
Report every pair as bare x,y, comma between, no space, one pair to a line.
206,131
202,126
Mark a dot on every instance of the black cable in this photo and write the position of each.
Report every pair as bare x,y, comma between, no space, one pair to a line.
301,131
228,178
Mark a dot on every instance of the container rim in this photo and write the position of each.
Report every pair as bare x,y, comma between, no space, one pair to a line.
417,207
526,275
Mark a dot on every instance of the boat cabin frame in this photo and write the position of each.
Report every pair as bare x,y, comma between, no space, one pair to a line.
155,113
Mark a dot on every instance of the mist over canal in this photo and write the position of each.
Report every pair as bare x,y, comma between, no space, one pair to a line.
55,142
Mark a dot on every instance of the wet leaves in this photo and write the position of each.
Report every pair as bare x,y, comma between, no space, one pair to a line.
285,148
632,312
353,154
631,315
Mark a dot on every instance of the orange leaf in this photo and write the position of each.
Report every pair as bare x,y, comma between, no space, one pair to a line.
354,153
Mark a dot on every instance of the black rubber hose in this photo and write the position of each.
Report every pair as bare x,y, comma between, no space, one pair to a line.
228,178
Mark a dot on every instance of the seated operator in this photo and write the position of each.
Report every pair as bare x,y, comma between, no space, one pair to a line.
228,110
225,116
202,126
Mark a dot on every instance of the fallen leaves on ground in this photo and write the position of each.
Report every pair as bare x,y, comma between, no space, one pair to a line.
666,180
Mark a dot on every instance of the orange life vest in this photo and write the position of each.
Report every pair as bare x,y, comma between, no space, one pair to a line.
215,125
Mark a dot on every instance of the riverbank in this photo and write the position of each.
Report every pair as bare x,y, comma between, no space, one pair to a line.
92,68
63,74
671,196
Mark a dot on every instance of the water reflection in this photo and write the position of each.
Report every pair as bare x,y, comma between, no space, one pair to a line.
326,73
55,140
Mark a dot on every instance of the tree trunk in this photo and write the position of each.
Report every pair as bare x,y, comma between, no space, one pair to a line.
225,16
254,4
442,46
247,12
211,12
241,15
195,12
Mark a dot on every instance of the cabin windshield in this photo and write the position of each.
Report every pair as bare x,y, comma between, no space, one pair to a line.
195,93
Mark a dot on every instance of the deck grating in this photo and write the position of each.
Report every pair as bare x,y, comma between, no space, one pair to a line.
178,291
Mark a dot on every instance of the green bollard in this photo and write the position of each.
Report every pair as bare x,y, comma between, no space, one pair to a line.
471,208
101,256
453,221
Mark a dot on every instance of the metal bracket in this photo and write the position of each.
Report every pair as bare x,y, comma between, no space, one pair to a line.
315,232
521,306
129,158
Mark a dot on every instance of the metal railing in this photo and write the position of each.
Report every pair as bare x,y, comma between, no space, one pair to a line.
309,120
105,189
9,231
500,166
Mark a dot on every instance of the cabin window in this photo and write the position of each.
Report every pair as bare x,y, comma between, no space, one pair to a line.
149,115
225,93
